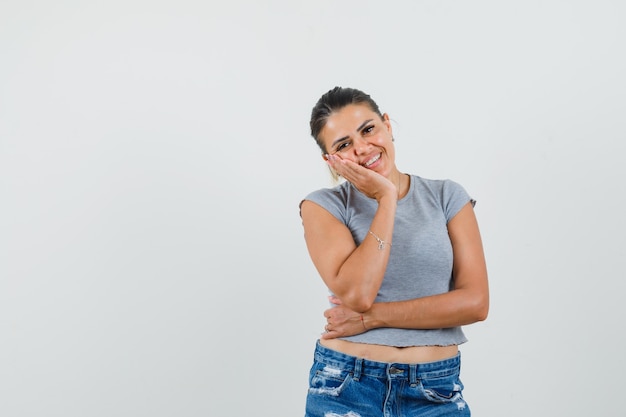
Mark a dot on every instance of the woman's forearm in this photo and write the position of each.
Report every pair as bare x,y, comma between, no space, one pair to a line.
455,308
360,276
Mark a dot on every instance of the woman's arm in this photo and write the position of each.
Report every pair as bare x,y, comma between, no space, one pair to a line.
467,303
352,273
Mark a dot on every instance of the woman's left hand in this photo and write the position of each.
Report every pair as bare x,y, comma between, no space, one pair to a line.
341,321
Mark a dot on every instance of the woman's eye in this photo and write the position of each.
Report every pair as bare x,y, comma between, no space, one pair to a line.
368,129
341,146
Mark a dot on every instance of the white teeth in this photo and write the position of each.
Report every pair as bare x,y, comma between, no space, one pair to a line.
371,161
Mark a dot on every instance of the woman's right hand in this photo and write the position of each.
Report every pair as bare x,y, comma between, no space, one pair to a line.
341,321
369,182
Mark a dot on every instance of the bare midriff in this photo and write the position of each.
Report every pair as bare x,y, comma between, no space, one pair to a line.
391,354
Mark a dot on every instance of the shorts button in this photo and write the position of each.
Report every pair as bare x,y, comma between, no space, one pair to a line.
393,370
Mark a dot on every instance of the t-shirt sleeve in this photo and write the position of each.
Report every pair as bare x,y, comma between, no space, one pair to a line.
454,198
331,200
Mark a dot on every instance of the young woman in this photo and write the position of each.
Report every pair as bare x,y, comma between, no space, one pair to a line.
403,260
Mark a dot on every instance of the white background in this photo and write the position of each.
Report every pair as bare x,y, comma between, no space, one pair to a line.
153,155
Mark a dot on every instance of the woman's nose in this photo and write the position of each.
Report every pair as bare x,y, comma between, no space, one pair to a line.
360,145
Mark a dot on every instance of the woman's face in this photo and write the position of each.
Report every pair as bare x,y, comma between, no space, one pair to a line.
360,135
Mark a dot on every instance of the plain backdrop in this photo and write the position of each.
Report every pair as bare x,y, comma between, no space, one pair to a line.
153,155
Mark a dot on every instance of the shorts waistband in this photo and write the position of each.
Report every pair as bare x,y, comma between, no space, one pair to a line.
360,366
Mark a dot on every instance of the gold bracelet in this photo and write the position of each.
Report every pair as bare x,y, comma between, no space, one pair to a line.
381,243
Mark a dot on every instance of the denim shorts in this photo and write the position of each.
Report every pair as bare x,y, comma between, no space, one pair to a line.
342,385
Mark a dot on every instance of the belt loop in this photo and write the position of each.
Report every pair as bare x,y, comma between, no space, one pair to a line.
358,366
413,374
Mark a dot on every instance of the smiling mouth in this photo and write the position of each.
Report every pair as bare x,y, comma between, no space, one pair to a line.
371,161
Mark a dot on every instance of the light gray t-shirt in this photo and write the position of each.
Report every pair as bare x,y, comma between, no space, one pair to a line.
420,261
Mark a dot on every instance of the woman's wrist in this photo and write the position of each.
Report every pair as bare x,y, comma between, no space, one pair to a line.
389,199
369,320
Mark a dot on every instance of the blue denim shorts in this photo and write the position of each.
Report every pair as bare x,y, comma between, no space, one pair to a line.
341,385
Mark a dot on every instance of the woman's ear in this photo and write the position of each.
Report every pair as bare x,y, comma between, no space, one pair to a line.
387,123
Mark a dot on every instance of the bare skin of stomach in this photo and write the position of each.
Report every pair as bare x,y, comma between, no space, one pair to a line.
391,354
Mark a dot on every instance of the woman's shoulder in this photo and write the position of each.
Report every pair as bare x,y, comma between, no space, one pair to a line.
450,195
333,199
437,186
338,191
335,195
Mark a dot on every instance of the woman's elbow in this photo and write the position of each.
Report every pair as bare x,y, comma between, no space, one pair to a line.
480,307
482,313
359,302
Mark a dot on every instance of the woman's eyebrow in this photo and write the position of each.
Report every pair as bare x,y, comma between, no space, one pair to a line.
358,129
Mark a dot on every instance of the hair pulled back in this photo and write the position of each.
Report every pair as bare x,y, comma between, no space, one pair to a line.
334,100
